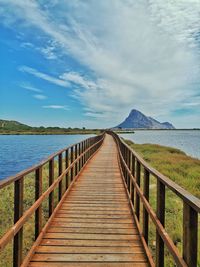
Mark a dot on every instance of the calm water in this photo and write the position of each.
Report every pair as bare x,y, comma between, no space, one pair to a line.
18,152
187,141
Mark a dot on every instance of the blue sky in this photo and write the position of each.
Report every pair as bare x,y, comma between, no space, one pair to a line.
88,63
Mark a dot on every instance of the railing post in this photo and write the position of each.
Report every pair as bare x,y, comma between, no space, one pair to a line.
76,154
18,212
137,198
130,162
83,152
51,179
126,160
87,154
79,161
145,213
38,193
133,173
190,233
71,161
161,217
66,166
129,167
60,167
123,154
82,158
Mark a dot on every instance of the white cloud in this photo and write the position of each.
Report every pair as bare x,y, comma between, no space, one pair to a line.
44,76
141,54
48,52
29,87
40,97
56,107
27,45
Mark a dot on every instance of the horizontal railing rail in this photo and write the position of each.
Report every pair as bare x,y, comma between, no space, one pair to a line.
74,158
132,166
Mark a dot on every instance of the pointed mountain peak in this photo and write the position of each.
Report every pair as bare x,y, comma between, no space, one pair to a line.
138,120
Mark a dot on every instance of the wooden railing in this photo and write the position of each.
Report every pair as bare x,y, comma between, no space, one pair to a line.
132,168
71,161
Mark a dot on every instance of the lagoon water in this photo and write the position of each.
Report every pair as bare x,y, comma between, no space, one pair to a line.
185,140
18,152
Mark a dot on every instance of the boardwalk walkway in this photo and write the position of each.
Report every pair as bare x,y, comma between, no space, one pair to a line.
94,226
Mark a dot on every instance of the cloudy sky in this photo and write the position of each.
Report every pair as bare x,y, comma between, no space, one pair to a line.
89,62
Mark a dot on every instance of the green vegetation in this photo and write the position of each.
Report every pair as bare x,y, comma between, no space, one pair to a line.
14,127
7,207
183,170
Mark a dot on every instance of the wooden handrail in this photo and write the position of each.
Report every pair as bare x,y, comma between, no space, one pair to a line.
80,154
11,179
131,164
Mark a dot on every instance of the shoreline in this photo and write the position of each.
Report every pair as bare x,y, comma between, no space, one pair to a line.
50,133
166,158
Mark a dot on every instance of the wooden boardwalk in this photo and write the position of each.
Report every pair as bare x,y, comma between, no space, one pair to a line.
94,226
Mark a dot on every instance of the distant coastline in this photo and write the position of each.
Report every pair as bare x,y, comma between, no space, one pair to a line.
177,129
11,127
76,132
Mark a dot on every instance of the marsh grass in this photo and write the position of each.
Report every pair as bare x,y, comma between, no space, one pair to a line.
7,207
183,170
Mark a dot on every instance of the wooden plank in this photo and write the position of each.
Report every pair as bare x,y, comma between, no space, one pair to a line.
81,208
94,205
91,236
95,212
90,243
94,225
92,220
74,264
88,250
97,194
99,230
104,198
93,216
136,257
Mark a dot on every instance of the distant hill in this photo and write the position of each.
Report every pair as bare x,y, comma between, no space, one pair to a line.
137,120
15,127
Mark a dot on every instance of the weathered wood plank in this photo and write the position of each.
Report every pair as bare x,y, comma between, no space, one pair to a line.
99,264
91,236
85,230
92,208
90,257
94,216
90,243
94,225
95,212
93,220
87,250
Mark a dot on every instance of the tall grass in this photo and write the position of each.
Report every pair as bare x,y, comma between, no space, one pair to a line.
183,170
7,211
